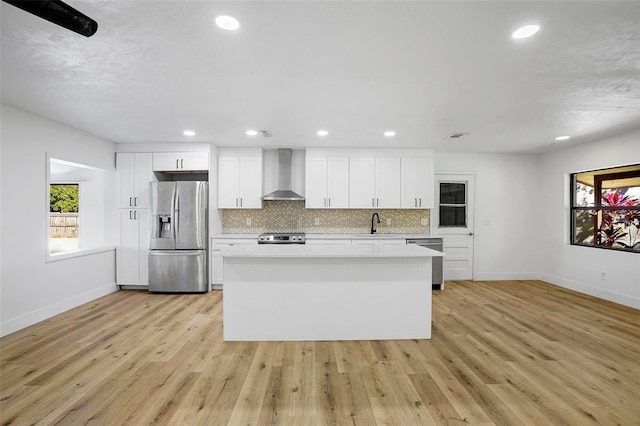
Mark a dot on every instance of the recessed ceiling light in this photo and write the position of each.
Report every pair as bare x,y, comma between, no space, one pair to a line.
227,23
322,133
251,132
526,31
389,133
563,138
189,133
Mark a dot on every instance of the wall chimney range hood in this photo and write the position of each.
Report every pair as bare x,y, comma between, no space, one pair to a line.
284,192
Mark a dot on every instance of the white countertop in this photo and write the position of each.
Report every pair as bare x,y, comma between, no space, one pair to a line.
331,236
302,251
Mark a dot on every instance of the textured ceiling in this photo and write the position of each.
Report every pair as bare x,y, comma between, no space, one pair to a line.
356,69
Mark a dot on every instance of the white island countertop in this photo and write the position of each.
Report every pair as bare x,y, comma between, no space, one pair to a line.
302,251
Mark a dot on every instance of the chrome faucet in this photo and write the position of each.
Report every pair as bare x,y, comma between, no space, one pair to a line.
373,229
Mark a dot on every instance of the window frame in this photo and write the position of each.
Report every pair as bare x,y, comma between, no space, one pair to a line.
574,208
93,245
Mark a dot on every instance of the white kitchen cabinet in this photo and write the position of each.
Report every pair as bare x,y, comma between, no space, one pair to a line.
133,174
217,244
325,182
132,265
417,182
374,182
180,161
239,182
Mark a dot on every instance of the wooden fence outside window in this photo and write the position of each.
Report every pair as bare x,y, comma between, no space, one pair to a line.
63,225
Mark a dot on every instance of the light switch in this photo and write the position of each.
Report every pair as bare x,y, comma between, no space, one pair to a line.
248,221
317,221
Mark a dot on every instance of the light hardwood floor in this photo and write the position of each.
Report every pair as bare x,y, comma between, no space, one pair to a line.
508,352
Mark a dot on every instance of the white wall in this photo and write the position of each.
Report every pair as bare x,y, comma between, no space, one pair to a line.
31,289
505,212
579,268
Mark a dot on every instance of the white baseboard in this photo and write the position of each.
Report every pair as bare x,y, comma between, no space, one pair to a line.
623,299
506,276
14,324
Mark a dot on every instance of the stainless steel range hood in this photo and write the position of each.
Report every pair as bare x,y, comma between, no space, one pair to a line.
284,192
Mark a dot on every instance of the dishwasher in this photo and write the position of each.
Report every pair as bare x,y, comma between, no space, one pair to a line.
437,280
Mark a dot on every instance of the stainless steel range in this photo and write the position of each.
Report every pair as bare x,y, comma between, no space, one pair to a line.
282,238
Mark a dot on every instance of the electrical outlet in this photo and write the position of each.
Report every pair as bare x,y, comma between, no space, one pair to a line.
317,221
603,275
424,222
388,221
248,221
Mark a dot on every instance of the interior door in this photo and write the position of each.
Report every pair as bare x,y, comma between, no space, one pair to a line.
452,220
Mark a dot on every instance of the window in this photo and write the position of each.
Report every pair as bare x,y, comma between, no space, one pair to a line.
605,208
75,208
453,204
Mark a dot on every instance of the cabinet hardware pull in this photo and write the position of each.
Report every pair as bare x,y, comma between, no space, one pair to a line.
415,202
377,202
135,201
325,202
420,202
135,214
177,162
329,201
130,216
373,202
240,201
182,163
130,201
236,202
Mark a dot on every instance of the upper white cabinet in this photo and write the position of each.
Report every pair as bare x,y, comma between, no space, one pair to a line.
133,174
325,182
417,182
374,182
240,180
180,161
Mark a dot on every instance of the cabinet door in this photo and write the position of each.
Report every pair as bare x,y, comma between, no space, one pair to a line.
387,181
362,183
337,178
127,250
166,161
426,183
141,217
133,244
228,182
143,175
409,184
250,183
125,179
194,161
217,271
316,183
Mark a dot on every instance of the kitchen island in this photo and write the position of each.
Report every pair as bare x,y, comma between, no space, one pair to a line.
301,292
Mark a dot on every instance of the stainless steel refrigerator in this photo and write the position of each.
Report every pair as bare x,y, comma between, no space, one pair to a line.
178,228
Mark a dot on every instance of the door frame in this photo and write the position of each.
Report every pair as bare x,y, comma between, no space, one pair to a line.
470,177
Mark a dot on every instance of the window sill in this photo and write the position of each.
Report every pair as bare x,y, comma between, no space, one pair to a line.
76,253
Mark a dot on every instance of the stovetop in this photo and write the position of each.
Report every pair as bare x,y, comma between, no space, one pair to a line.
282,238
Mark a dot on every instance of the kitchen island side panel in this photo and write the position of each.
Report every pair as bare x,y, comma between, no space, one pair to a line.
295,299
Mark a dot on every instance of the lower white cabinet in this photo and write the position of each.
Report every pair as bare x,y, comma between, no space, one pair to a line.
217,271
132,264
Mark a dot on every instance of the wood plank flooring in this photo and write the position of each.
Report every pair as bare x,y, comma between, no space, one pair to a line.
503,353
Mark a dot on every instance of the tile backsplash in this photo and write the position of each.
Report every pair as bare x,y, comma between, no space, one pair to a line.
291,216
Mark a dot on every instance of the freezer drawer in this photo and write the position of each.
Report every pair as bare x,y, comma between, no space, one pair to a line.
178,271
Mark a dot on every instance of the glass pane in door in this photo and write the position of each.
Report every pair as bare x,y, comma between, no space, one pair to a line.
453,216
452,193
